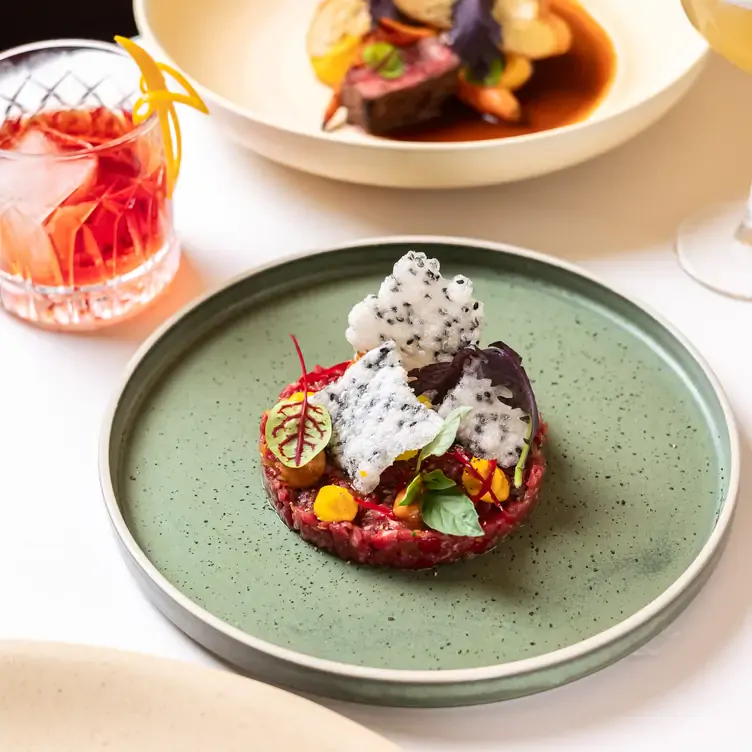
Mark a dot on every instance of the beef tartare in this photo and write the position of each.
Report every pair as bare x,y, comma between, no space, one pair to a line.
423,449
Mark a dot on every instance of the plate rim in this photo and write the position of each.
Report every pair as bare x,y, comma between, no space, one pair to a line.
145,30
147,665
669,598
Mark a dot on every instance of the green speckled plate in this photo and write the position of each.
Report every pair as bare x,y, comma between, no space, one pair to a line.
642,485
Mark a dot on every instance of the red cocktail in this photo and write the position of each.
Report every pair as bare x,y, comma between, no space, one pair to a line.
86,232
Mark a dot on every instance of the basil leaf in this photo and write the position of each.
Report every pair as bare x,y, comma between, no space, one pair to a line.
412,494
444,439
384,59
452,513
437,481
283,434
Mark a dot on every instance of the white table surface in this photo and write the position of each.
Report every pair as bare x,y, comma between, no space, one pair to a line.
61,577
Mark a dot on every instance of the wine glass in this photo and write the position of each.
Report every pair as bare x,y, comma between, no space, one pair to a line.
715,247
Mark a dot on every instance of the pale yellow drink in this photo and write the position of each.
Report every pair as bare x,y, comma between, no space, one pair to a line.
715,247
727,25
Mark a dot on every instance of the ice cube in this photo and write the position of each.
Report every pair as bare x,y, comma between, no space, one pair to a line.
26,250
35,142
63,227
38,185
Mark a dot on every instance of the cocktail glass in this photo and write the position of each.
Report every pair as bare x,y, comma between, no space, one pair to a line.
86,230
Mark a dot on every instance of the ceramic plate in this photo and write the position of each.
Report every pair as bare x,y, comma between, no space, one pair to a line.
248,59
642,484
66,698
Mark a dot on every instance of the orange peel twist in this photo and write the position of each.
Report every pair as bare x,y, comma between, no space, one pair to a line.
157,98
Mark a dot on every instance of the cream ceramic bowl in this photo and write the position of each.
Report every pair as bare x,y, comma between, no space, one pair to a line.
71,698
248,60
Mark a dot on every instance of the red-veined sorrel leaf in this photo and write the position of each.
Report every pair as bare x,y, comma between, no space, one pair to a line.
296,430
283,431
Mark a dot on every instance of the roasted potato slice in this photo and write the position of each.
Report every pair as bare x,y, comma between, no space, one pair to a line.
543,37
335,21
517,72
436,13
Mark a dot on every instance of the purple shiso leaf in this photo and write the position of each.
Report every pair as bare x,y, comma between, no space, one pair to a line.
504,367
476,35
440,378
498,362
382,9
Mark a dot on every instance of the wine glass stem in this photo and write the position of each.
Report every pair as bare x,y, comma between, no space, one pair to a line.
744,231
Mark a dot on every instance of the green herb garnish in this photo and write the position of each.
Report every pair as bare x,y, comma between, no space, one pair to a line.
445,507
451,512
520,468
433,481
437,481
412,492
385,59
444,439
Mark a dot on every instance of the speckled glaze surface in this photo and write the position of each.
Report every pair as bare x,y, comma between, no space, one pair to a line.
71,698
640,490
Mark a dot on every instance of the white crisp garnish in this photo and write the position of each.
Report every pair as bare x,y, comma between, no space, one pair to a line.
429,317
375,417
492,430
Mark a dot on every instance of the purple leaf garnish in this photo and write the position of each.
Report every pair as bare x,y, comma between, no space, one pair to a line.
440,378
475,36
382,9
498,362
504,367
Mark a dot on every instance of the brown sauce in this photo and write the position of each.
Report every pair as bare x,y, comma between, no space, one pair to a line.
563,90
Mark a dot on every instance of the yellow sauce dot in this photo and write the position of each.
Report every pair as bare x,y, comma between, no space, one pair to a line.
499,484
407,455
298,396
335,504
363,473
424,400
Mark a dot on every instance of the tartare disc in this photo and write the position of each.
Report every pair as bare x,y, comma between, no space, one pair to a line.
643,475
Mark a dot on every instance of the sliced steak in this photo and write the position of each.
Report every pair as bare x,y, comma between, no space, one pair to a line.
380,105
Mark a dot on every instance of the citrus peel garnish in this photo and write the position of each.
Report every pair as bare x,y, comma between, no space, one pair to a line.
157,98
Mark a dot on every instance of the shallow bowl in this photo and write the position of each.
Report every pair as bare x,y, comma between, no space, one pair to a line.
248,60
